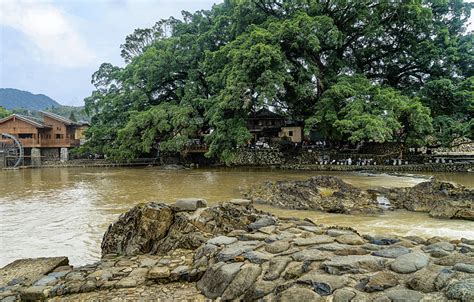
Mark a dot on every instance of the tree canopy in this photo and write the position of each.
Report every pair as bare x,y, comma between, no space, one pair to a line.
355,70
4,112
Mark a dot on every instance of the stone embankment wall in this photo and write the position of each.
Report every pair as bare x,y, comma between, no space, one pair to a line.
249,257
310,160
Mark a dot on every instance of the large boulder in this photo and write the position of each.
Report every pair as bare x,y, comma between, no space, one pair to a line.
320,193
138,230
158,228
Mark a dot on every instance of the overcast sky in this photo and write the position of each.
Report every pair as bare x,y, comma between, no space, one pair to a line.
53,47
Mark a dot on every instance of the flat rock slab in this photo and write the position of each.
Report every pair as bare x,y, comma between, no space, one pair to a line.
30,269
409,263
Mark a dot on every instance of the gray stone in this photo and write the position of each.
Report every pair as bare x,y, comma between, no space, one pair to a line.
240,202
244,279
333,247
409,263
350,239
217,278
439,245
34,293
311,255
392,252
381,240
262,222
293,270
30,269
462,290
253,236
424,280
465,248
268,229
236,249
9,299
257,257
222,240
343,295
46,280
189,204
443,278
312,229
148,262
139,273
206,250
439,249
159,272
260,289
180,273
296,293
323,284
467,241
88,286
337,233
463,267
313,240
380,281
353,264
276,267
126,283
454,258
277,247
403,295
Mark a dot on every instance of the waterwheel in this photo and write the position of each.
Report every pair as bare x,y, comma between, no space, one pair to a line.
11,147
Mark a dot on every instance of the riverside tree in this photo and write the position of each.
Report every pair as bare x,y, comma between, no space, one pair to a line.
4,112
356,70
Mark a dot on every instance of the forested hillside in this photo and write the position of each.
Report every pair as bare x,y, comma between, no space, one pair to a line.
355,70
13,98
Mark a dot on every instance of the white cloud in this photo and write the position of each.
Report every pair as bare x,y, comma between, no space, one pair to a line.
50,30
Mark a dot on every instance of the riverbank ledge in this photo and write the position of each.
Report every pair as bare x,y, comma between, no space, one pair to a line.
233,251
331,194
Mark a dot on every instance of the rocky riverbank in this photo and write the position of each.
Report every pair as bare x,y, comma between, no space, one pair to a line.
234,252
331,194
319,193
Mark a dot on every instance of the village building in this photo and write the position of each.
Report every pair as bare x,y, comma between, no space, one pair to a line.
267,126
49,137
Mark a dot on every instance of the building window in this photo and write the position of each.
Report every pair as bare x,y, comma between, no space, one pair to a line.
59,136
290,133
25,135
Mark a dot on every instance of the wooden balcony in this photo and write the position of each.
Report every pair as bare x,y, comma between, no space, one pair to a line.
47,143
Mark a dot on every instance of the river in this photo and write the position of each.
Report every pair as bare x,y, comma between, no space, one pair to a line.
65,211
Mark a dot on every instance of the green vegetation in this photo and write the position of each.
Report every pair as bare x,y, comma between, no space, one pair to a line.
4,112
356,70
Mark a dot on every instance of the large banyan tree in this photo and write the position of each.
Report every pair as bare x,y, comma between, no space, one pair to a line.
355,70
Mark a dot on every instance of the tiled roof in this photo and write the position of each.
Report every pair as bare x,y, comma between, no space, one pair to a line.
58,118
26,119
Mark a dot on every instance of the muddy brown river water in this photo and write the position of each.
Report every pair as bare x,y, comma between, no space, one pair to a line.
65,211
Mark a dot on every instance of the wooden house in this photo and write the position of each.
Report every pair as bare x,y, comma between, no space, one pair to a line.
53,135
266,125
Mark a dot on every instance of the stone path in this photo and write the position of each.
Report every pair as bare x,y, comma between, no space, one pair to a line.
296,260
264,259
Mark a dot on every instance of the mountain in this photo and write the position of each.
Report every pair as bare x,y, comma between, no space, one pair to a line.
13,98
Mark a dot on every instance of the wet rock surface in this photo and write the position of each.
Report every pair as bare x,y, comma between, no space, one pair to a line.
247,255
439,199
331,194
319,193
